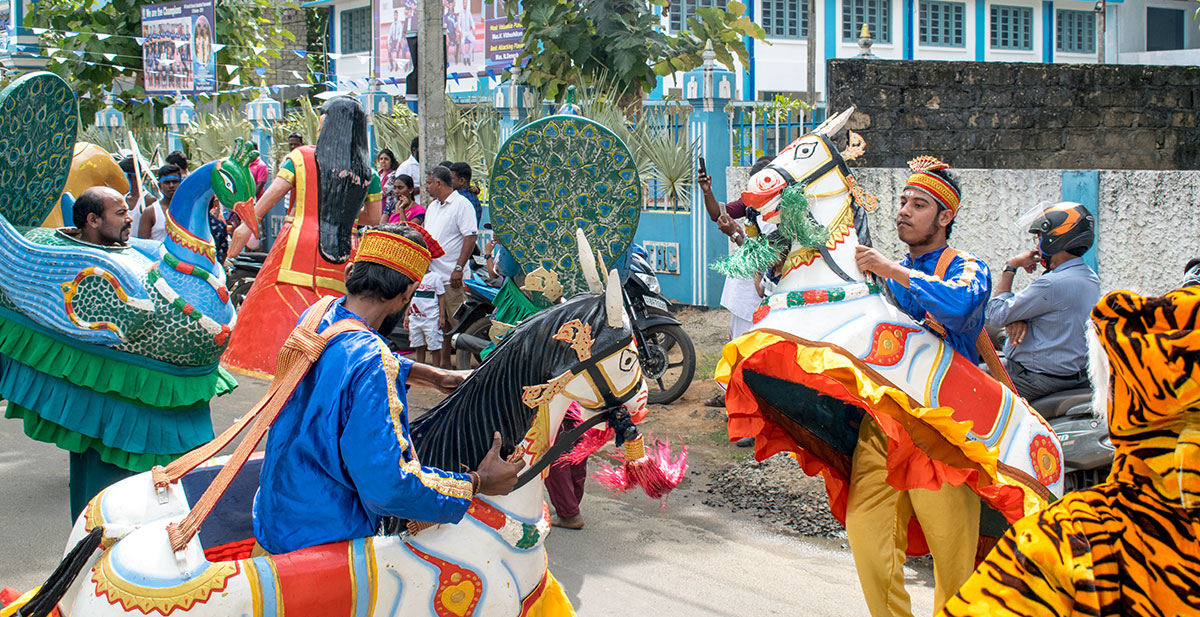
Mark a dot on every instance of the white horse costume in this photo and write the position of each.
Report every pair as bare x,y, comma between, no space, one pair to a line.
827,348
493,562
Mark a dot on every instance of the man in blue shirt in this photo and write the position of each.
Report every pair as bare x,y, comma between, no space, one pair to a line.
1046,351
339,456
946,290
460,174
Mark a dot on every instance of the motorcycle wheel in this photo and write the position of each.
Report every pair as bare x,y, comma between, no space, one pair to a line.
670,362
466,360
238,291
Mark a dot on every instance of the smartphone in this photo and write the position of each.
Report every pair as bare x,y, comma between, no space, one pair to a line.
703,169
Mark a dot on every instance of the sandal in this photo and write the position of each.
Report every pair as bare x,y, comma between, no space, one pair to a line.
716,401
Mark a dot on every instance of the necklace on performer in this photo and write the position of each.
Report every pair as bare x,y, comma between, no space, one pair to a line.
808,297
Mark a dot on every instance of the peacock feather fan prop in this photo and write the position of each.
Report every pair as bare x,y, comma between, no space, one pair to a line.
759,253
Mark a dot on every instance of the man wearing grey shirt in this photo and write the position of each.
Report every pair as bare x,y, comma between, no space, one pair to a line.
1046,351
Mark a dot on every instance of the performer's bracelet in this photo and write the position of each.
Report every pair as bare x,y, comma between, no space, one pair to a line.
474,481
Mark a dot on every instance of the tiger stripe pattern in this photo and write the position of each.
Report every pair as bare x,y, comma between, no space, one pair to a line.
1130,546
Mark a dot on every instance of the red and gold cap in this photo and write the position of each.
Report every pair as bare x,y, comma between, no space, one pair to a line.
933,185
399,253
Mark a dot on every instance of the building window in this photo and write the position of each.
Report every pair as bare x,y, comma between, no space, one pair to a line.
356,30
876,14
1075,32
785,19
943,23
1012,27
683,9
1164,29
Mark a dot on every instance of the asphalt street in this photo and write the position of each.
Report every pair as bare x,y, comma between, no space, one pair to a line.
632,558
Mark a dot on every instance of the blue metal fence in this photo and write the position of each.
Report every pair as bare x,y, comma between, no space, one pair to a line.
755,132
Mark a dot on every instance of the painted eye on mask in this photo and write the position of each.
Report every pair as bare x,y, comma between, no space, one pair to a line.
628,360
804,151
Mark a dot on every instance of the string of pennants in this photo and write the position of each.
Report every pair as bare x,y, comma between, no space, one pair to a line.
314,78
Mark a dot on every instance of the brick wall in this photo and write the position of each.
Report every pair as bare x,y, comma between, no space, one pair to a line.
1022,115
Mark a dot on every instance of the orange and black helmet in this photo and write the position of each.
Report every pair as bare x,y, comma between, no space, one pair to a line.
1064,226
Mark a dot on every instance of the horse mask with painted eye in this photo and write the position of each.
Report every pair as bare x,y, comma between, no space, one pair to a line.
581,349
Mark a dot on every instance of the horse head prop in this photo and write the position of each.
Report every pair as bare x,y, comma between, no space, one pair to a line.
491,563
827,350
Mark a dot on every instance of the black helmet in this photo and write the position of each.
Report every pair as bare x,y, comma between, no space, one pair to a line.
1062,227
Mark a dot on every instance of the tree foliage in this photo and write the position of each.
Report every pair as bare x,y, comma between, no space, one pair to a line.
241,26
575,41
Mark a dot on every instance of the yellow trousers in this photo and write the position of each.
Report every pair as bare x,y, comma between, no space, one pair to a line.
877,518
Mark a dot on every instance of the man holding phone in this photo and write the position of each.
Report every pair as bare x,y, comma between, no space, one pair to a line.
739,296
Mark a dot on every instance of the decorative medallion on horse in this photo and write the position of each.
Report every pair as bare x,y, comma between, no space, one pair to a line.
827,348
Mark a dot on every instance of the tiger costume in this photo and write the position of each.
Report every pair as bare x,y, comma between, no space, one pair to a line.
1130,546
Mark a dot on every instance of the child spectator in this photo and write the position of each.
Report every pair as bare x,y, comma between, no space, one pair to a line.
427,318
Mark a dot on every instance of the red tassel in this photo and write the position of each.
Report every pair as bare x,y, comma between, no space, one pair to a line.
588,444
656,472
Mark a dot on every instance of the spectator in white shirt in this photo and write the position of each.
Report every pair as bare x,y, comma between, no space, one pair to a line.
450,219
411,167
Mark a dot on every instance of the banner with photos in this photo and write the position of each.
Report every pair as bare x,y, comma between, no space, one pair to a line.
178,52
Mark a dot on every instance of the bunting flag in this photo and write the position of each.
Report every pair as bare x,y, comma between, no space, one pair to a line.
217,47
102,37
259,50
236,81
38,31
110,57
296,74
261,71
364,60
334,56
455,76
141,40
79,53
491,73
300,52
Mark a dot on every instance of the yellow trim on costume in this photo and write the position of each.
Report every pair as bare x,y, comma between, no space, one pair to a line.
299,185
286,174
292,277
395,252
372,574
256,599
188,240
163,600
970,267
937,188
450,487
553,602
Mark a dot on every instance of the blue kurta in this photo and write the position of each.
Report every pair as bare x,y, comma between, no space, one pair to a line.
958,301
338,458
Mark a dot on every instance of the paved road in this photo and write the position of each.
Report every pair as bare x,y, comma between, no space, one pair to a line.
632,558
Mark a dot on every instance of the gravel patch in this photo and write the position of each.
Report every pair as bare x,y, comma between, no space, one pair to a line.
778,491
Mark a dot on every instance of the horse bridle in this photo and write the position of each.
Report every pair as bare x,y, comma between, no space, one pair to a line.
835,162
613,411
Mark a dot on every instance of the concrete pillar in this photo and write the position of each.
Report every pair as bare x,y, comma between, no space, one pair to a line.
513,99
431,86
177,116
263,112
708,89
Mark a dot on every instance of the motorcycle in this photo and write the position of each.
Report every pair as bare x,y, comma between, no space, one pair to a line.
1087,449
665,350
241,274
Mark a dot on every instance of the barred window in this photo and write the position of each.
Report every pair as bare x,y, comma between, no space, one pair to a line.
1075,31
942,23
356,30
1012,27
785,19
683,9
876,14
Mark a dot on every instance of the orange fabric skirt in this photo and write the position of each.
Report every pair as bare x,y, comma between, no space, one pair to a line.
272,308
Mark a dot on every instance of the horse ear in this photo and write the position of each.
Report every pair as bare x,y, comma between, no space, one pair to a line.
614,304
587,263
831,126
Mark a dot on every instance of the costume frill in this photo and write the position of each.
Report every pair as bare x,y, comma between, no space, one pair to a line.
926,447
134,411
293,278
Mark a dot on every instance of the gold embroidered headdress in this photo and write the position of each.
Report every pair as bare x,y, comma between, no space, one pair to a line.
932,184
399,253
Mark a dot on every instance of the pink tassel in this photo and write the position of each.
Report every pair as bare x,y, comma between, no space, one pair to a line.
656,472
588,444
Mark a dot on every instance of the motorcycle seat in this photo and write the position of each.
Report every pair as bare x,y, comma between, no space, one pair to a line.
1057,404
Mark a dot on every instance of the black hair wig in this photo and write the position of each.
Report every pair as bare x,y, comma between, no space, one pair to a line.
343,175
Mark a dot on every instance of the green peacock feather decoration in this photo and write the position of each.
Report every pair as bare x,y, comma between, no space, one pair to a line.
759,253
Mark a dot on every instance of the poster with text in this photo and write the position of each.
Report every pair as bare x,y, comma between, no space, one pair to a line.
178,53
478,37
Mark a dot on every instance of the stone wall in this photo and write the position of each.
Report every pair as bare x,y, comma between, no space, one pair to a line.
1148,220
280,71
1022,115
